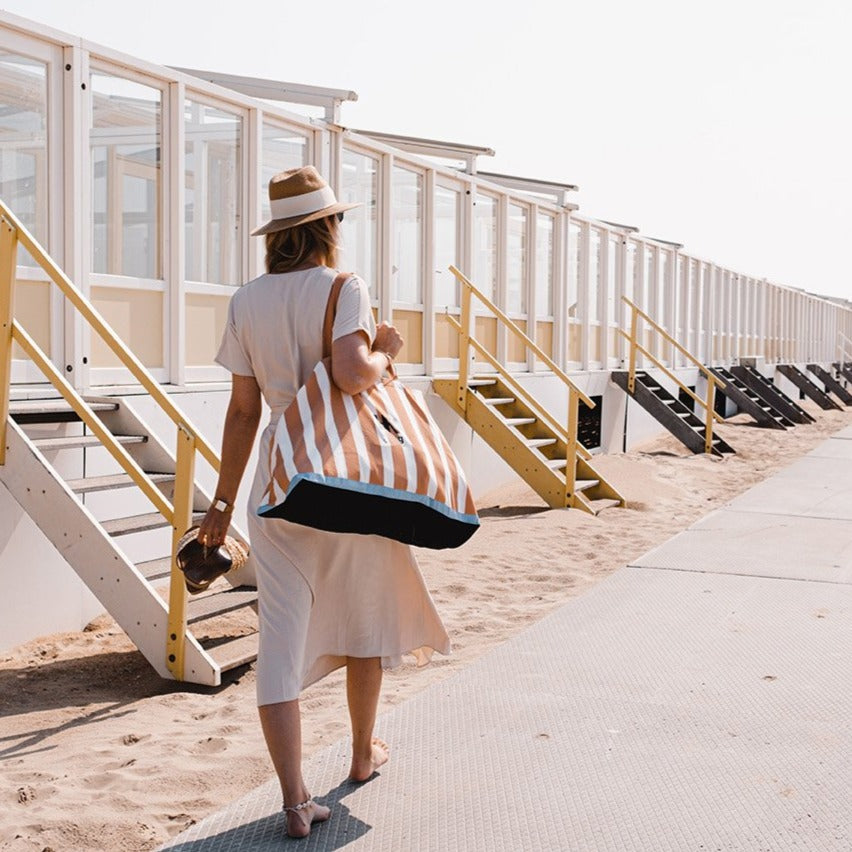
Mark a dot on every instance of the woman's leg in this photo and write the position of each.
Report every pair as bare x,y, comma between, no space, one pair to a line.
282,729
363,684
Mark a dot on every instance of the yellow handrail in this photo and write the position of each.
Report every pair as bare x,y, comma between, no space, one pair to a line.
179,515
88,416
90,313
641,349
512,326
551,422
468,341
713,381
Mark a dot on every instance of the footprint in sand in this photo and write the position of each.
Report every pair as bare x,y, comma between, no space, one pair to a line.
212,745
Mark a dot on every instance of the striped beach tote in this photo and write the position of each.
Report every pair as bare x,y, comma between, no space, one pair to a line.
373,463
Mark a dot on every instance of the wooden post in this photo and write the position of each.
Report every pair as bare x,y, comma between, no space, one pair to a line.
634,322
464,347
708,420
8,271
571,452
183,503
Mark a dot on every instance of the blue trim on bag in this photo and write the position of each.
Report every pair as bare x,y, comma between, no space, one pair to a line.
376,490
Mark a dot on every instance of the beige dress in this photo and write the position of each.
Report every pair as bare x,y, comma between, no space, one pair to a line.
321,596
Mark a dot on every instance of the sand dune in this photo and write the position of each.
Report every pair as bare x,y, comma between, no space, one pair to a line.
98,753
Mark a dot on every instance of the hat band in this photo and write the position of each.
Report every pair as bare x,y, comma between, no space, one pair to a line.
302,205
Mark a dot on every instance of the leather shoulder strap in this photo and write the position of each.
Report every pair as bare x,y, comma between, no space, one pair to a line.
330,311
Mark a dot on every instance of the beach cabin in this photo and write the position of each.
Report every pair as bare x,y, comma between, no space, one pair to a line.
540,336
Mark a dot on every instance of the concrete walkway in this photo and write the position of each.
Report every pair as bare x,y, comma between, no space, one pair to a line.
698,699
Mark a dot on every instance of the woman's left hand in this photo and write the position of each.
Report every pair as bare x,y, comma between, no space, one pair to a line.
214,527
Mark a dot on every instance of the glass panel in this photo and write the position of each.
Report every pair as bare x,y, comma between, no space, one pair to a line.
516,297
213,195
594,275
126,177
544,266
612,254
23,144
485,245
359,183
283,149
573,270
407,211
447,219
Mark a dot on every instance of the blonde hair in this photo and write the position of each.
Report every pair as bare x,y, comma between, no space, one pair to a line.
294,247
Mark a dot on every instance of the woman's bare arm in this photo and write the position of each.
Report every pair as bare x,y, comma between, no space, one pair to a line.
355,366
241,422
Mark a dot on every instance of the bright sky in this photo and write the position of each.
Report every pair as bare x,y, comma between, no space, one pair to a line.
725,126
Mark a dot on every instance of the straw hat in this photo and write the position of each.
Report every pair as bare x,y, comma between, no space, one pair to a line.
298,196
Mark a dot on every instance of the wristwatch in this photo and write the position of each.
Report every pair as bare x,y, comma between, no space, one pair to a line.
221,505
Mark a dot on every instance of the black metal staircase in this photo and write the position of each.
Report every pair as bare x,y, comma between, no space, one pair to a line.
768,391
748,401
670,412
808,387
831,383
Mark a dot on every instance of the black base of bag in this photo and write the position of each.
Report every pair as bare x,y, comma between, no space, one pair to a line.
324,507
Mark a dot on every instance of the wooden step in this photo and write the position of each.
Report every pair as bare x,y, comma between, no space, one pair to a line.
108,483
234,653
209,605
140,523
498,400
586,484
603,503
155,569
51,410
535,443
82,441
556,464
481,383
520,421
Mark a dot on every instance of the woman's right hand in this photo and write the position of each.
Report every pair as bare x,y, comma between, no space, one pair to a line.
387,340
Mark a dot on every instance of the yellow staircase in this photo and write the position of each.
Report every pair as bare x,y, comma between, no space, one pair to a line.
192,640
543,452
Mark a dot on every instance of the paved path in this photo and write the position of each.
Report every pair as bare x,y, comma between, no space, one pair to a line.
698,699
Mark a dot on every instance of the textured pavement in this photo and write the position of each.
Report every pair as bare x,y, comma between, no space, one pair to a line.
698,699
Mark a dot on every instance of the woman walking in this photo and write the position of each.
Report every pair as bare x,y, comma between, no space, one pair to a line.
325,600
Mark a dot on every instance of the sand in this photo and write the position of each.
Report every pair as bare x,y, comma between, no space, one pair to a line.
98,753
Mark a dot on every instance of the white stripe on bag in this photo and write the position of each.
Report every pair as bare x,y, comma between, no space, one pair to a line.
358,437
407,448
381,432
330,425
285,448
432,488
313,454
438,438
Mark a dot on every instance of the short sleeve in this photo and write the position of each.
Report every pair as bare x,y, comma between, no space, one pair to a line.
232,355
354,311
